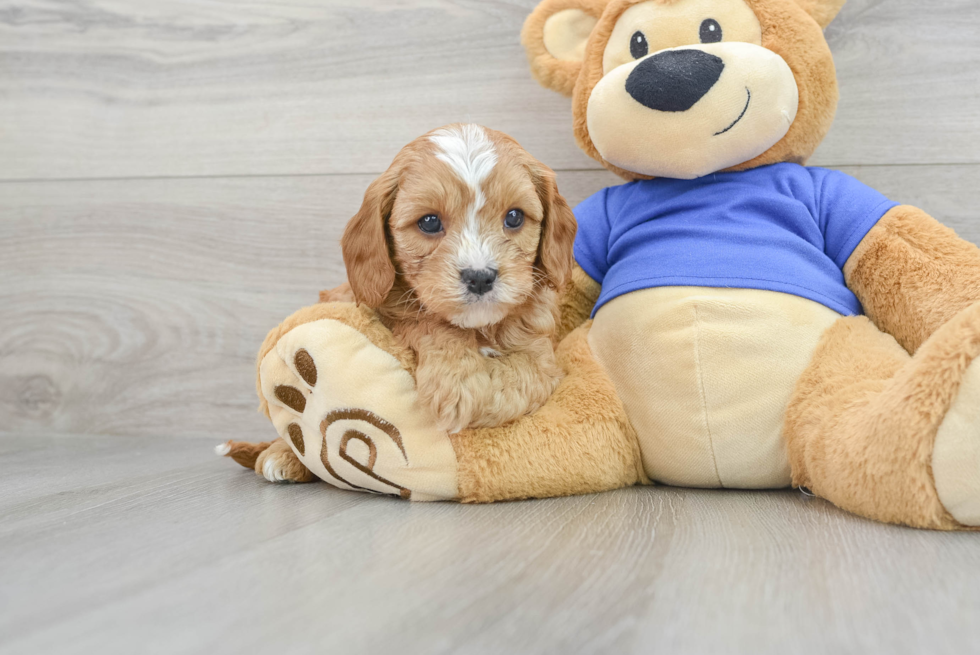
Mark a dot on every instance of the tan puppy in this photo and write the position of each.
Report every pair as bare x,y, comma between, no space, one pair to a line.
461,246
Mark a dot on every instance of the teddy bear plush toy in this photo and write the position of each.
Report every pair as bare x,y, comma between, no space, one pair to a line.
735,320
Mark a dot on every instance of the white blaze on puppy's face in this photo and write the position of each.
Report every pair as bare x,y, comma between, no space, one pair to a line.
470,154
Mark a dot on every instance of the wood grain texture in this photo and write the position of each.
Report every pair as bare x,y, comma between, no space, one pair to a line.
149,546
136,307
114,88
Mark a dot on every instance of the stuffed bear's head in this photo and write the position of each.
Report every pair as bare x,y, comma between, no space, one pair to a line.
684,88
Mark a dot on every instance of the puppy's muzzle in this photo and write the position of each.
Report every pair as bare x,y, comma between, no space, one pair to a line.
674,80
478,282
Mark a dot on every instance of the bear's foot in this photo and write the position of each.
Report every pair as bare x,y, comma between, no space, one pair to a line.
956,455
890,436
349,411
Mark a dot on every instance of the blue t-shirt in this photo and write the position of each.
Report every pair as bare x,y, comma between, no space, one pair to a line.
783,227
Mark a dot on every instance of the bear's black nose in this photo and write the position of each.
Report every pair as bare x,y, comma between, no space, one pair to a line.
478,282
675,79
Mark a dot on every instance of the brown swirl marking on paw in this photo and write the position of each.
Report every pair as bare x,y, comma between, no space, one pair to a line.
360,436
296,436
291,397
305,366
353,434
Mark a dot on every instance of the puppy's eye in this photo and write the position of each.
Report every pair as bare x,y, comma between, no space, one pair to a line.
514,219
430,224
638,45
710,31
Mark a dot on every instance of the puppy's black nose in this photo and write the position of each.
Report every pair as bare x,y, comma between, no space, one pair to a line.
674,80
478,281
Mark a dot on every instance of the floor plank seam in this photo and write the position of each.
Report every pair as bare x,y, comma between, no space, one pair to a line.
598,169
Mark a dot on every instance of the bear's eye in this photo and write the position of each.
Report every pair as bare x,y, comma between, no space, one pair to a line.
638,45
710,31
430,224
514,219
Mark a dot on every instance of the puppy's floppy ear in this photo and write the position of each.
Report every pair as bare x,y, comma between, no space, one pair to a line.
367,256
554,36
555,256
822,11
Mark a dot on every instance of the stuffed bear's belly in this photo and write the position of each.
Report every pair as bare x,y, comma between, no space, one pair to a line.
705,375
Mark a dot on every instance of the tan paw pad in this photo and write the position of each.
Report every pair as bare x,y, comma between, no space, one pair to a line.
956,455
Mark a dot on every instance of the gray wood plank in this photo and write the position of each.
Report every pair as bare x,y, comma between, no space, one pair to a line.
170,550
141,88
909,89
137,307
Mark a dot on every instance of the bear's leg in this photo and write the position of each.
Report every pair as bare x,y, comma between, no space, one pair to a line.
888,436
579,442
340,391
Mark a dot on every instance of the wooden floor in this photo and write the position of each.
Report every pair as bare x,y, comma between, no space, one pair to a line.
174,176
147,545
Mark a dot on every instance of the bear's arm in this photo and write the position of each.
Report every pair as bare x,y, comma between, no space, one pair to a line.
912,274
576,302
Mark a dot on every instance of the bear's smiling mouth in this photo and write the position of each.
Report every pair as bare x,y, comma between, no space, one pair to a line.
740,116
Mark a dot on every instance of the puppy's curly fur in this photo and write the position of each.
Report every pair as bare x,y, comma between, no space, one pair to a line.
485,352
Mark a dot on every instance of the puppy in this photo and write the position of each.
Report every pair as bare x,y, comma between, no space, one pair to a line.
462,247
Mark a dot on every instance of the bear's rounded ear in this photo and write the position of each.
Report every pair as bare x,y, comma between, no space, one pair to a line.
822,11
554,36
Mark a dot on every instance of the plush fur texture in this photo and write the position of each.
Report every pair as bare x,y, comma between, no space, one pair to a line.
556,74
576,303
913,274
863,418
822,11
483,360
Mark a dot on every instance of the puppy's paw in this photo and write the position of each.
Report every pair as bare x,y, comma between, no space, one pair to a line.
455,397
446,405
278,463
451,419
